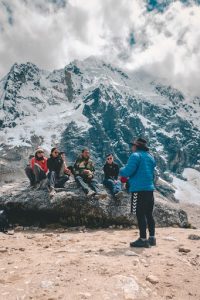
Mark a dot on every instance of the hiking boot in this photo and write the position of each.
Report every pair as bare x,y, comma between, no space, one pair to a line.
119,195
101,195
37,186
90,193
43,183
152,241
52,192
140,244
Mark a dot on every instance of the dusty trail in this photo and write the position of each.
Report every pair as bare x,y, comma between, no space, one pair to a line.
98,265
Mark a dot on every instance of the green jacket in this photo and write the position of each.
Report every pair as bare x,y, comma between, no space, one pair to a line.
82,164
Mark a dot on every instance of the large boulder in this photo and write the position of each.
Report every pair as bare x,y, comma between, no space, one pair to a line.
72,208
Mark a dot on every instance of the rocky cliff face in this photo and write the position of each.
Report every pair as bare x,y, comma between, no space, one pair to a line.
95,104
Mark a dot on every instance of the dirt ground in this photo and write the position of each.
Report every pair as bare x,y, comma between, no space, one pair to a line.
98,265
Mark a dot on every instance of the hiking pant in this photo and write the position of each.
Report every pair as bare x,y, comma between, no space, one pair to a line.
87,183
30,175
55,181
113,186
144,212
39,173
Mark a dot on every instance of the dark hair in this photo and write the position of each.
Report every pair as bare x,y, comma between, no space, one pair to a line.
62,152
53,149
141,144
109,154
85,149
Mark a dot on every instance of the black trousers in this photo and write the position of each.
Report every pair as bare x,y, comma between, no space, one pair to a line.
35,175
55,181
144,212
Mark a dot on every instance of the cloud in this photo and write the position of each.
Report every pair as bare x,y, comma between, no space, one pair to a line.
53,33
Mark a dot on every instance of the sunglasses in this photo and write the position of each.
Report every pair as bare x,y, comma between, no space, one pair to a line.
56,152
109,158
40,152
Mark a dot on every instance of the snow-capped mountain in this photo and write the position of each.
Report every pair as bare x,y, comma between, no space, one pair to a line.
95,104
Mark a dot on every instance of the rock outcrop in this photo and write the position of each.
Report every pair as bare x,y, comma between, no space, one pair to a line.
72,208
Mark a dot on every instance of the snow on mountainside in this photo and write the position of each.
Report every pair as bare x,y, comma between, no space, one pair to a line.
96,104
35,103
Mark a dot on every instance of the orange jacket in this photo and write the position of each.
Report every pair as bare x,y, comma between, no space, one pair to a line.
41,163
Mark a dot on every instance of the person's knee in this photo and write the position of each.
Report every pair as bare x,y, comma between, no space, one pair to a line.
28,169
109,183
79,179
94,181
52,174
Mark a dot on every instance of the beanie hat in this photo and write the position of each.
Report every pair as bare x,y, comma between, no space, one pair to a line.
39,150
141,144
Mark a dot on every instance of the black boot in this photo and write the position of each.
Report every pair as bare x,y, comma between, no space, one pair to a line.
140,243
152,241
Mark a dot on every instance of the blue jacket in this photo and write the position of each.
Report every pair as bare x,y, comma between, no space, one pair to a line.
140,170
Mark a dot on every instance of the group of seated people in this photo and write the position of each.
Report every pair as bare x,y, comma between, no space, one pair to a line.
53,173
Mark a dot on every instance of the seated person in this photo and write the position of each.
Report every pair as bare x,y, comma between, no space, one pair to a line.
65,169
84,174
111,172
37,170
55,164
29,172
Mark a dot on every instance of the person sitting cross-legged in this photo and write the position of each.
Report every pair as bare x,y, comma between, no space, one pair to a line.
37,169
55,163
84,175
111,172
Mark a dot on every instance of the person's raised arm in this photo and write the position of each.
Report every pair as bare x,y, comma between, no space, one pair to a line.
131,166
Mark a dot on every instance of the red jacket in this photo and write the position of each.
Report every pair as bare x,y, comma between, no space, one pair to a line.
41,163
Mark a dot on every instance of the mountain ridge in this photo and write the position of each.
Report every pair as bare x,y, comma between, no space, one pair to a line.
95,104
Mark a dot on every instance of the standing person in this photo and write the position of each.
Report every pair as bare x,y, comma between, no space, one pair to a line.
55,163
111,173
140,170
84,174
37,171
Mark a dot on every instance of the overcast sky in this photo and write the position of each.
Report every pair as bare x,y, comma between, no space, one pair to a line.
164,44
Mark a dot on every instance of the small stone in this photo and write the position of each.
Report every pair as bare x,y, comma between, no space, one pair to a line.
101,250
11,232
152,279
19,228
184,250
85,295
170,264
45,284
48,234
3,250
21,249
170,238
88,251
130,253
194,237
133,227
29,237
